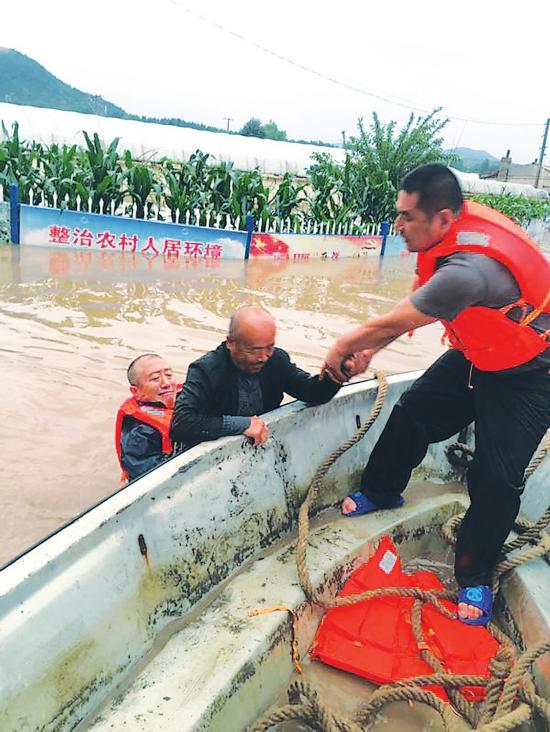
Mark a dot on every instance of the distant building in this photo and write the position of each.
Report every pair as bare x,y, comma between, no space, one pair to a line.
520,173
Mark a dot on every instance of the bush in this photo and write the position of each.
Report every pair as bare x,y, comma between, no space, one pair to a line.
518,208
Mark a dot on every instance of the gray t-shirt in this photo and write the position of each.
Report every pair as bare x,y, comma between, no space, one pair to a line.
464,279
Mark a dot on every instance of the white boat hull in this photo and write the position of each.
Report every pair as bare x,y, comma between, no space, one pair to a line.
82,610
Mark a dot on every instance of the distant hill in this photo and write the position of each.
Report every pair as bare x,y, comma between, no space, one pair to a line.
24,81
474,161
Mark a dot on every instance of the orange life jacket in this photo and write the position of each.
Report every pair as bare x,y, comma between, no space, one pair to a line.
156,416
374,638
488,337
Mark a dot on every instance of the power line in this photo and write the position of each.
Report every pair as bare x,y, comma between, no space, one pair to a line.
339,82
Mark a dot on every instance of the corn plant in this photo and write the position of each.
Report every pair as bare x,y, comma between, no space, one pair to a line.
219,190
328,184
142,186
61,170
103,177
19,163
249,196
287,198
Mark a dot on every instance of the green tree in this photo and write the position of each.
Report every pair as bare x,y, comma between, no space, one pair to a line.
253,128
365,184
272,132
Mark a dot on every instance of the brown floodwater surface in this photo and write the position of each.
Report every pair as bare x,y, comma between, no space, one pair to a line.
72,321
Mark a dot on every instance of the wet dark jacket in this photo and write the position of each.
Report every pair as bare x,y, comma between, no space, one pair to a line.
212,390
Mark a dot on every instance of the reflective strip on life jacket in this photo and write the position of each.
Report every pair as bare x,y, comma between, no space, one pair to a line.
489,337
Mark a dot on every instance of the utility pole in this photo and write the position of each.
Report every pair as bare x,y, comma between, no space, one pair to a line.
228,119
541,156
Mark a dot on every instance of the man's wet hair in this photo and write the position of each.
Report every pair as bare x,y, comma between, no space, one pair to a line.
132,372
437,188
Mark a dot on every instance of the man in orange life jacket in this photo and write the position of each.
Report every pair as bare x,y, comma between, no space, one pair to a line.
483,277
143,421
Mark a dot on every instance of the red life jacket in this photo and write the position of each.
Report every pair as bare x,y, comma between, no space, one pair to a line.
374,638
156,416
490,339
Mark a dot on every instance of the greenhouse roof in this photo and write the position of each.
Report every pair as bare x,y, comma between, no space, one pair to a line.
151,141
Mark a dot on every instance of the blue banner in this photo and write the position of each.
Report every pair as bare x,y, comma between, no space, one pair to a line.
51,227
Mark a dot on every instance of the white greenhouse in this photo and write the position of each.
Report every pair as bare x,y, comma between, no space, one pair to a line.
152,141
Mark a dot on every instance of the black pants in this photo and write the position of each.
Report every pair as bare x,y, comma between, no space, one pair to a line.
511,415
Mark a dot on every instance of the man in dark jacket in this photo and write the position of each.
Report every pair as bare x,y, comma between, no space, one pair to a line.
226,389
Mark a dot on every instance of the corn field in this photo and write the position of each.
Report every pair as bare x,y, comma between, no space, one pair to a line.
102,179
350,197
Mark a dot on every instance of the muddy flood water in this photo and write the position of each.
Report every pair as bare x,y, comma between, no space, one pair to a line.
72,321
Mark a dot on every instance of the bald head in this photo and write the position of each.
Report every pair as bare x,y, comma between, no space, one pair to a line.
249,317
251,338
135,369
152,380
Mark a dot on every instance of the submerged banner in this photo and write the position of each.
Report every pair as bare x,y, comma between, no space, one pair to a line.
50,227
305,246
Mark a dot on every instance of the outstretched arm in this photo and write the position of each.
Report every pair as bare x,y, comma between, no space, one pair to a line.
374,335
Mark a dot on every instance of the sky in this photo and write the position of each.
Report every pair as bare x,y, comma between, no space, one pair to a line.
486,63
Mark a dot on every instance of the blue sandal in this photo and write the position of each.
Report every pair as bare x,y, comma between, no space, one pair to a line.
480,596
365,505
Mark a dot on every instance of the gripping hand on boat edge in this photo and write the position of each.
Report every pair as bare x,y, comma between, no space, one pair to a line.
258,431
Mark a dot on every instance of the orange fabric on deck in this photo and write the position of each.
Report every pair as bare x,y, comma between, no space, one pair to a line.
374,638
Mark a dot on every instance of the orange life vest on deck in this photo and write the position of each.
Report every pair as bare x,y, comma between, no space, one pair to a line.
488,337
156,416
374,638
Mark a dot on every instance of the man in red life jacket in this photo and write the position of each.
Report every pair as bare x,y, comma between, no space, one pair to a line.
489,284
143,421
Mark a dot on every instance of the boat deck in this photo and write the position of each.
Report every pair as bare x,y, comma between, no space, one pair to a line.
219,667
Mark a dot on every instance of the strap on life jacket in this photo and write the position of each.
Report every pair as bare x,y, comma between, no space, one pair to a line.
156,416
489,337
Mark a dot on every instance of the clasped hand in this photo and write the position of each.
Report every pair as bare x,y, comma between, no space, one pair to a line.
341,367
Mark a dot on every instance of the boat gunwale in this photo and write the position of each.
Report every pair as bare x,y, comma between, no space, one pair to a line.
39,555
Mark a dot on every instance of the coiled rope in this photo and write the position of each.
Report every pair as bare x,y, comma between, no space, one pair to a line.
510,682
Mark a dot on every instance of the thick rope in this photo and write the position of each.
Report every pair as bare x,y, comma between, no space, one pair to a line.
322,470
512,684
311,711
508,681
537,459
392,693
466,709
499,669
529,532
